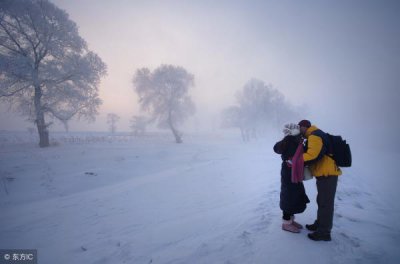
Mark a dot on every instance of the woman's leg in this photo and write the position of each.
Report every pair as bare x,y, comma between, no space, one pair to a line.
287,223
299,226
286,216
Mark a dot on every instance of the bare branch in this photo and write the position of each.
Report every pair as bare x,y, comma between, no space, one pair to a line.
9,48
14,92
27,37
68,77
22,51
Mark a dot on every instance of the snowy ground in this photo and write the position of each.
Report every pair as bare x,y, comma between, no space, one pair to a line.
212,199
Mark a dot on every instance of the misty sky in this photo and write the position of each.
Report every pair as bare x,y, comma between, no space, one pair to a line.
341,58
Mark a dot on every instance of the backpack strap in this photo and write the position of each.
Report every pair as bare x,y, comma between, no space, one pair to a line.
325,142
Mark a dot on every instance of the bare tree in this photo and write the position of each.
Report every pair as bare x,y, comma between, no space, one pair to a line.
112,120
46,69
164,94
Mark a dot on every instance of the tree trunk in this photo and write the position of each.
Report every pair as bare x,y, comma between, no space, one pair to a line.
178,137
40,122
43,133
176,133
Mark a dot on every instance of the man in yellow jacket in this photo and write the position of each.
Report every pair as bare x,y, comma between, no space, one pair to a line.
326,172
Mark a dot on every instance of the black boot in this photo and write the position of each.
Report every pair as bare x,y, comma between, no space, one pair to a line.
316,236
313,227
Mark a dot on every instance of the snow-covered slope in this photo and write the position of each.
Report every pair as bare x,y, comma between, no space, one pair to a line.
212,199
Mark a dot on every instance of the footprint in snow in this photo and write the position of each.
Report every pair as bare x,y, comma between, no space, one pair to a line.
355,242
358,205
245,236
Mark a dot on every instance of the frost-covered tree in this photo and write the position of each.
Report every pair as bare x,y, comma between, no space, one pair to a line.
164,94
138,125
233,117
259,106
112,120
46,69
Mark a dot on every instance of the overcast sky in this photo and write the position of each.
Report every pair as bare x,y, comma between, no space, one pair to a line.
341,58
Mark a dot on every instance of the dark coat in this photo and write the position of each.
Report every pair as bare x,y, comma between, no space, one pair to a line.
293,197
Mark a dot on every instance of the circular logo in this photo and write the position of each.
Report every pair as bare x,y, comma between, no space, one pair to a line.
7,257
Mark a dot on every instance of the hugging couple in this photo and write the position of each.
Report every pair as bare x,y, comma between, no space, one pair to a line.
306,145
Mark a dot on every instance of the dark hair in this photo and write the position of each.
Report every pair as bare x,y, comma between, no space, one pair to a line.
305,123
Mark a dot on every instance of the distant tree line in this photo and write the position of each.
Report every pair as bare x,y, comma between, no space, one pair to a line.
48,73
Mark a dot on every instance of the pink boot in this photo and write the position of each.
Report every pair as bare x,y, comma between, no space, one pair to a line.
288,226
299,226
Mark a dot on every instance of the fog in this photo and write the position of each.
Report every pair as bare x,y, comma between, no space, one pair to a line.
339,58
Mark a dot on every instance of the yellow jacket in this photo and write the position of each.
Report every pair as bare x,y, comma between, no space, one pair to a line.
326,166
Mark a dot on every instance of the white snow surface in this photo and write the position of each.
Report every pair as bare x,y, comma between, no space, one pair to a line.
212,199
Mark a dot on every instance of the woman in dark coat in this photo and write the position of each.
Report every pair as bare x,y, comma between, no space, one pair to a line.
293,198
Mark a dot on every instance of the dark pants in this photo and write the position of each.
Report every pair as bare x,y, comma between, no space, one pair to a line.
326,186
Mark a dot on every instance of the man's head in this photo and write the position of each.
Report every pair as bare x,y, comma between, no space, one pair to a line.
304,125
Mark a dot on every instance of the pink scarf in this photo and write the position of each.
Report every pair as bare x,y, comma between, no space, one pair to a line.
298,165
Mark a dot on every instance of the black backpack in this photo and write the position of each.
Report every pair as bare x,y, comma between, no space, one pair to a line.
340,150
335,147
